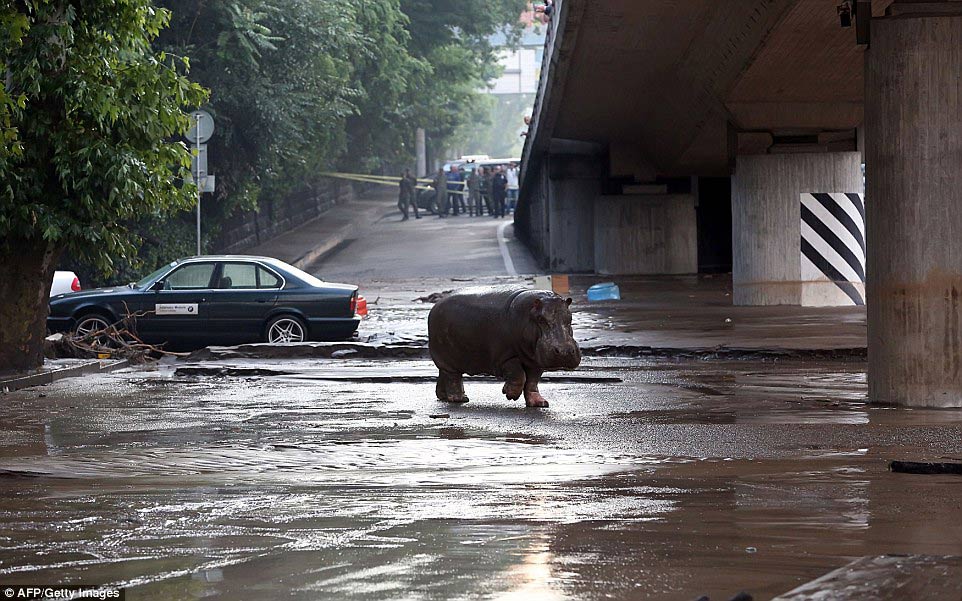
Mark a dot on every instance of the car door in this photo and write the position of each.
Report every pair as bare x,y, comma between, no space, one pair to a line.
176,309
241,301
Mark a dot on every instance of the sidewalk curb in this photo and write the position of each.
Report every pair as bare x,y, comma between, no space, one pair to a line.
303,261
349,230
94,366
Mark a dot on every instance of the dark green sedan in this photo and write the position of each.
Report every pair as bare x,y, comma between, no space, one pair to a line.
226,299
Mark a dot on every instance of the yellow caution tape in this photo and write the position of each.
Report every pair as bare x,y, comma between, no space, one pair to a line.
390,180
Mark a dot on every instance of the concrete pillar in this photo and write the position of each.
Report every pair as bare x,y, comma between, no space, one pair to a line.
913,123
574,185
767,191
646,234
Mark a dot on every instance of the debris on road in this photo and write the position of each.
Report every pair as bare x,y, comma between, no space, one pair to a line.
434,296
921,467
116,341
343,353
604,291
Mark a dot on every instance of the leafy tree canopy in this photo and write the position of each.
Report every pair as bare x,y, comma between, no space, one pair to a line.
90,114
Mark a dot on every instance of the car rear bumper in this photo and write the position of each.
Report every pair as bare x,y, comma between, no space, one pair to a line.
328,328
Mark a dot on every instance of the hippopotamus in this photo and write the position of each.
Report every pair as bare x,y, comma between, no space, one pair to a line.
514,334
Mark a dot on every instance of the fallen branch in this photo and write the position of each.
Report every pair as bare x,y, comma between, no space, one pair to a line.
118,340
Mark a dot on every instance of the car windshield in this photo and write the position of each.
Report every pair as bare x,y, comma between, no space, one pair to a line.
153,276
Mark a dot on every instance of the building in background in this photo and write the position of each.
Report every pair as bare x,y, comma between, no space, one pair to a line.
510,97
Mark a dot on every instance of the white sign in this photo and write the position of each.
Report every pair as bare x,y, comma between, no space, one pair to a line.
176,309
200,120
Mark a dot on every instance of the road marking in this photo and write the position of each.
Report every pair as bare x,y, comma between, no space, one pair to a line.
503,245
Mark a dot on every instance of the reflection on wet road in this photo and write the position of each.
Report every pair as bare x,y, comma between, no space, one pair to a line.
687,478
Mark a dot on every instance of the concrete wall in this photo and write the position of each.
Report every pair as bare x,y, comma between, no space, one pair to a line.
645,234
766,230
246,229
573,185
571,225
531,216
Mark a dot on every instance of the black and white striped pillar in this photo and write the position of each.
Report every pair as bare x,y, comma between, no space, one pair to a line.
832,249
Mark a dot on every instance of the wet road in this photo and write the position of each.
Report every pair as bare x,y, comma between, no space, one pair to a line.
454,247
306,480
346,479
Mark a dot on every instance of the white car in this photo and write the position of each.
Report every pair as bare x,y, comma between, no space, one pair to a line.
64,281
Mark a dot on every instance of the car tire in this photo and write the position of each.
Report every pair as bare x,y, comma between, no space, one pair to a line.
88,323
285,329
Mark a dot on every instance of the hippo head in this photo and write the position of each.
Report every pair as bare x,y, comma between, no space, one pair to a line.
555,346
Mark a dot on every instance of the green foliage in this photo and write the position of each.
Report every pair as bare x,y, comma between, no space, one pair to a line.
496,132
279,72
296,87
299,86
453,37
96,111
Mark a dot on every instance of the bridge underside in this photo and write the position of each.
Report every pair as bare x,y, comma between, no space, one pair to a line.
673,137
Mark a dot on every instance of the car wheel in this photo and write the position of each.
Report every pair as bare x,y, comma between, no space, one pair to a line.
284,329
90,323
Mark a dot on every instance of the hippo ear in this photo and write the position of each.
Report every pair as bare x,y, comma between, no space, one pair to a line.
568,301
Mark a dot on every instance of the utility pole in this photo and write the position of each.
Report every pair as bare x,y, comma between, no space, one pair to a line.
420,149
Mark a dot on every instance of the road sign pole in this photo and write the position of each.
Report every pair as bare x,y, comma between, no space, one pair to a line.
203,129
197,182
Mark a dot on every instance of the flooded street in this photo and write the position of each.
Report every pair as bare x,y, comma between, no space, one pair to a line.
304,479
700,449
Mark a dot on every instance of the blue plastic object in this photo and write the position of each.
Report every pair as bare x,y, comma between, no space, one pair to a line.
604,291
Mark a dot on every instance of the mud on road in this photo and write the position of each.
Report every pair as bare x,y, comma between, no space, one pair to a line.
665,479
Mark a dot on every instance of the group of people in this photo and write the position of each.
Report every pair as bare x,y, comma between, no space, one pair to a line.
485,189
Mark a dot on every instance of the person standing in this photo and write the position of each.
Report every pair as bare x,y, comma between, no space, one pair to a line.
474,192
406,195
512,176
499,192
440,193
486,176
455,199
402,196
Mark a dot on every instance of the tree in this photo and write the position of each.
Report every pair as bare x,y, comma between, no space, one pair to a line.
299,87
454,37
97,117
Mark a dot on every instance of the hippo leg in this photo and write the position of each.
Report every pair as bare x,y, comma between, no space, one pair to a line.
513,379
533,398
450,387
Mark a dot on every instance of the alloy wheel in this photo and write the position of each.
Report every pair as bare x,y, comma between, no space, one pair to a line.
286,329
90,324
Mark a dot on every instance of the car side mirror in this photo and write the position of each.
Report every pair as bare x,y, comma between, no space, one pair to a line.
158,285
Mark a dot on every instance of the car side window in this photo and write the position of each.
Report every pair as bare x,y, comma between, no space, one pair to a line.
267,279
236,276
195,276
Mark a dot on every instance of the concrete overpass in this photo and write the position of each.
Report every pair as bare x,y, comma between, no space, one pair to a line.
671,136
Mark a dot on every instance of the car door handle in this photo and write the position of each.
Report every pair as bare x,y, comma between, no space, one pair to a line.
261,300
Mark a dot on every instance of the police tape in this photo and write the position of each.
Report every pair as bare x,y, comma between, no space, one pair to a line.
390,180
